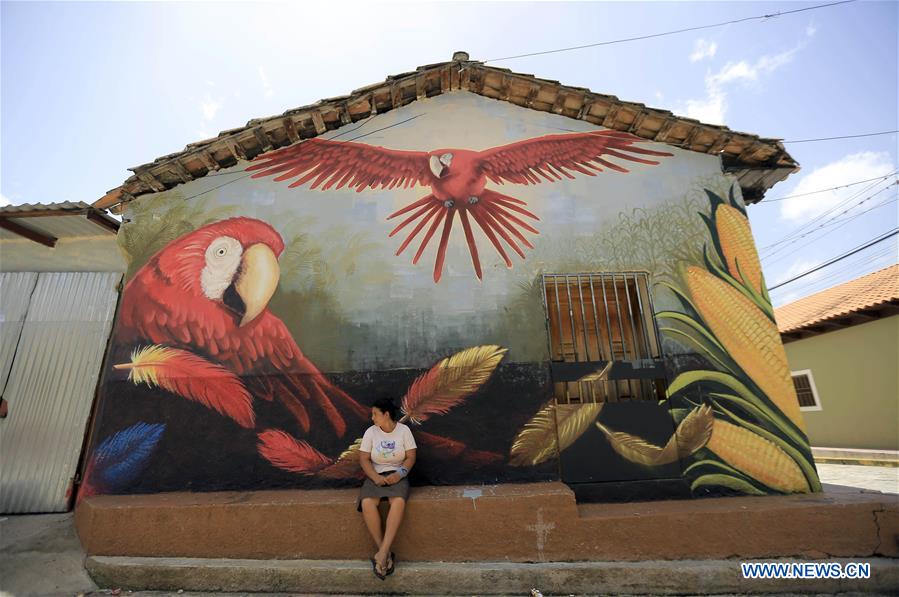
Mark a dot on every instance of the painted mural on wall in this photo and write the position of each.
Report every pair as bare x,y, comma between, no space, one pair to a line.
260,320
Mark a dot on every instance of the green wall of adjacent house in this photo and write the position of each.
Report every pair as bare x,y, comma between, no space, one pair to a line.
856,372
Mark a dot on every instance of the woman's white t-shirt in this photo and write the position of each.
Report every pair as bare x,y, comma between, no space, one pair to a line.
388,450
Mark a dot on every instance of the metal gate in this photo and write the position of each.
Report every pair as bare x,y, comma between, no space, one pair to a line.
604,349
51,361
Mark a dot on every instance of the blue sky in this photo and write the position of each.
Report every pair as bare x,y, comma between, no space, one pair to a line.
91,89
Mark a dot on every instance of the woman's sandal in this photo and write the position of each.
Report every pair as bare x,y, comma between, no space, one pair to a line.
391,564
374,568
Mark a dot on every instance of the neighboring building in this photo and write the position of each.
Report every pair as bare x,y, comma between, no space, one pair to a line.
843,347
561,330
60,270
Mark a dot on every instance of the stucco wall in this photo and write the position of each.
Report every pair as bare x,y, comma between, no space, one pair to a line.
856,372
261,375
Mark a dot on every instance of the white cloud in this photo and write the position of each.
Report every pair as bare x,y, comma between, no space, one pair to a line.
266,85
854,167
4,201
210,107
810,30
713,107
703,49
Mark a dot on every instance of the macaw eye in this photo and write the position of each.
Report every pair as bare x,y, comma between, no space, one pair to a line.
223,250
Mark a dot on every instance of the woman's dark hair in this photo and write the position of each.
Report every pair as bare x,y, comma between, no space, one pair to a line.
386,405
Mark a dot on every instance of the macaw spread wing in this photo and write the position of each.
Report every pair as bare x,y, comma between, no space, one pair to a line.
343,163
552,156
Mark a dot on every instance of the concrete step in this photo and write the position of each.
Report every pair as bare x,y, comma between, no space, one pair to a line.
482,578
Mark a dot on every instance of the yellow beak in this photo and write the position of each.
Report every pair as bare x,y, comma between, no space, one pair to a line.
257,280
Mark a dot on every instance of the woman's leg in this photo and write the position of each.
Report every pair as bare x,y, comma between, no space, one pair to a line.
394,518
372,519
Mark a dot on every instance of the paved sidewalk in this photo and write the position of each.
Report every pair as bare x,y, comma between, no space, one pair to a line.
877,478
40,555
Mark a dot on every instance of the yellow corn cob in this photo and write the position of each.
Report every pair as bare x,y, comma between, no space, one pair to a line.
756,457
737,245
749,337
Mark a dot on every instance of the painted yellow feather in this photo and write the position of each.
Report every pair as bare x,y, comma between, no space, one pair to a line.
537,441
450,382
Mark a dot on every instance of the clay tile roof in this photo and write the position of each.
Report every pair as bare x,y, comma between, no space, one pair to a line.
852,302
757,163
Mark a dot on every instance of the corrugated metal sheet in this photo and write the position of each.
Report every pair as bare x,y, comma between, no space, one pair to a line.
61,206
63,226
51,387
15,294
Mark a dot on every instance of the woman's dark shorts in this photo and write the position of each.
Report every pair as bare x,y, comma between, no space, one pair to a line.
370,490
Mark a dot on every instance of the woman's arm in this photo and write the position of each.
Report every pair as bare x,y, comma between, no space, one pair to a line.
408,463
369,469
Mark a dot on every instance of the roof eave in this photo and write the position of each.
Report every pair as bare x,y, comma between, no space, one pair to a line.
758,163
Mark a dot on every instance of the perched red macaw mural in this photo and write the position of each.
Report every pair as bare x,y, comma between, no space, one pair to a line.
457,178
204,298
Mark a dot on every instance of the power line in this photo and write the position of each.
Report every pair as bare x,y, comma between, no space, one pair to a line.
848,184
871,243
675,32
867,262
834,220
839,224
798,231
843,137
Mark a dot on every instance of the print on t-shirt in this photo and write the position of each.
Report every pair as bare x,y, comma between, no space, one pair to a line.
387,449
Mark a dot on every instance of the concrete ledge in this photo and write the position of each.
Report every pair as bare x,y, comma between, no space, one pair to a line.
856,456
485,578
513,523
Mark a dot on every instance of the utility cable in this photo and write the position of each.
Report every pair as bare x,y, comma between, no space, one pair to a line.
842,137
871,243
801,229
675,32
838,224
843,186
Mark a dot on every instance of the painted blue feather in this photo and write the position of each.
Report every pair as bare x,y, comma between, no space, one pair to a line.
122,457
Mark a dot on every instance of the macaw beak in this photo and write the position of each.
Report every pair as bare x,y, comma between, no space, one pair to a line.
256,280
436,165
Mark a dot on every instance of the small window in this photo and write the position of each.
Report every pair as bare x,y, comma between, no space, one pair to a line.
806,391
603,318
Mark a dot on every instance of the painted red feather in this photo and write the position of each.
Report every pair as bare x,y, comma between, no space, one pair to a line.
194,378
443,448
288,453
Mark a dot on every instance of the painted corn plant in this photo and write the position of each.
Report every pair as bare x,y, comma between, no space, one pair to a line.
743,403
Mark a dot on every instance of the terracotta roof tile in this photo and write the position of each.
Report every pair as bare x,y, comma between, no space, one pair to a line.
850,297
757,163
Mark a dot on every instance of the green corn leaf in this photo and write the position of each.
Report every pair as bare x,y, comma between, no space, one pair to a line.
717,480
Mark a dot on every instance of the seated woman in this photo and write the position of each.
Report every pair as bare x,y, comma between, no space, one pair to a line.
387,454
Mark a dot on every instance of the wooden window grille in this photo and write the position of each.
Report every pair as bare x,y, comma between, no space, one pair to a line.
603,340
805,390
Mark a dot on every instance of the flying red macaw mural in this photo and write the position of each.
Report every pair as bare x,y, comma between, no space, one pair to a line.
205,298
457,178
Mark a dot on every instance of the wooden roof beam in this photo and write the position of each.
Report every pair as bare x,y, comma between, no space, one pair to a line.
24,232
